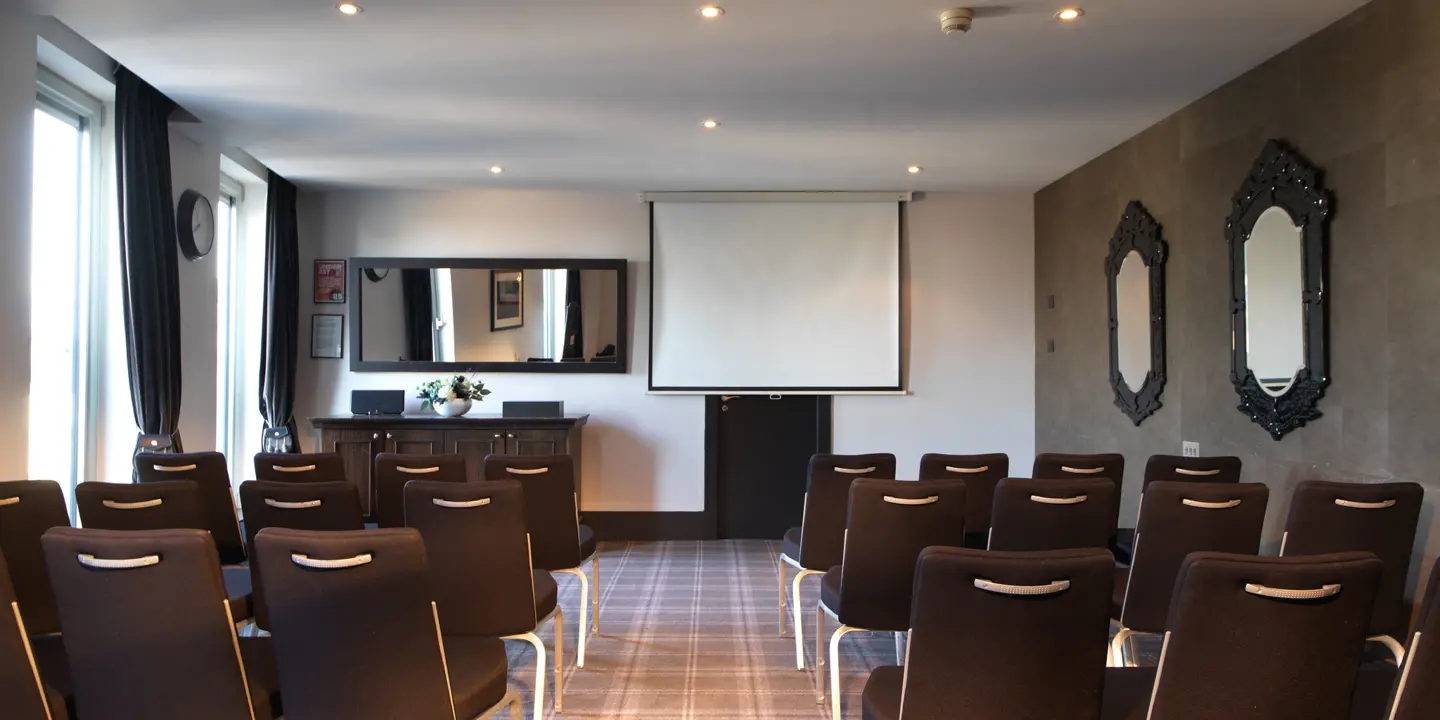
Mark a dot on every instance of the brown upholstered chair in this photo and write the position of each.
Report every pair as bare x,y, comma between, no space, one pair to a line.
148,630
1331,517
816,546
299,467
1001,635
27,509
1176,519
1176,468
1255,638
481,573
393,470
299,506
558,542
1055,466
326,585
1418,695
981,474
169,505
1032,515
889,523
210,472
23,693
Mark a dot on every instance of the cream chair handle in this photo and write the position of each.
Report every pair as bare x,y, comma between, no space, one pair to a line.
283,505
1210,505
1059,501
1082,471
1364,505
912,501
173,468
417,470
1025,590
119,563
527,471
1196,473
1287,594
292,468
10,501
854,471
336,564
460,503
141,505
968,471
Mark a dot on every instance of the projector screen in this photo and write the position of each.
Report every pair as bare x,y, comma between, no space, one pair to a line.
775,296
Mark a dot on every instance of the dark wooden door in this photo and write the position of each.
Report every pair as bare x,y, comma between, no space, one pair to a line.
475,446
536,442
357,450
416,442
759,448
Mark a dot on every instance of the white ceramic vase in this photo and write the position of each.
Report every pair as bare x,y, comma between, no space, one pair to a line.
454,408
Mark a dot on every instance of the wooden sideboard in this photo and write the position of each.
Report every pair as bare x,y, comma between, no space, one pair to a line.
359,438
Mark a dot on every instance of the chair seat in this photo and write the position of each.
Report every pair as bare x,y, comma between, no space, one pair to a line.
881,697
258,654
791,545
547,593
477,673
238,588
1117,598
830,589
587,542
1127,693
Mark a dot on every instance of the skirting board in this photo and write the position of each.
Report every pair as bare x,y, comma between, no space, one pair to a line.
650,525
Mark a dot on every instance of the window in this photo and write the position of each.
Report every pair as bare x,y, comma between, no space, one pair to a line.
240,277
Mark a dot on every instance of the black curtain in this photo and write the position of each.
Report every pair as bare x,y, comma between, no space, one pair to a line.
149,268
419,297
574,319
281,318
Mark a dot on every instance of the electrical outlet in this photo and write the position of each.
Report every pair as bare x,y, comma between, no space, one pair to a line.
1190,449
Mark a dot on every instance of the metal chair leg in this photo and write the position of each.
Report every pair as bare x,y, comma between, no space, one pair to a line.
534,639
1396,649
840,632
797,620
584,612
1117,647
780,570
900,648
819,655
595,597
559,621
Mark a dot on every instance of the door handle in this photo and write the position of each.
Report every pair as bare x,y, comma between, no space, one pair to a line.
376,437
388,436
728,398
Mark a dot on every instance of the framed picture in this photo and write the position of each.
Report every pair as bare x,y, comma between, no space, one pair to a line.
507,299
327,336
329,281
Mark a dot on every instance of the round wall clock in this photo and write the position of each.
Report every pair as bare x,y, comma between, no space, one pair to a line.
195,225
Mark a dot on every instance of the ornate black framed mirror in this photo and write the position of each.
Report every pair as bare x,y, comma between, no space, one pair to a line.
1277,238
1135,278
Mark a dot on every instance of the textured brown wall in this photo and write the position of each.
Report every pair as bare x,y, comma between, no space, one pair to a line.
1361,99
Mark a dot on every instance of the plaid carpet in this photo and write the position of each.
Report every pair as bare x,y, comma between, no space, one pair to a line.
689,630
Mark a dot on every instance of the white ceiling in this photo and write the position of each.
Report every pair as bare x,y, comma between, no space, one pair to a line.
812,94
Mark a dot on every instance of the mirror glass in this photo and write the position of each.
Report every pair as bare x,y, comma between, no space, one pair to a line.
1132,320
1274,307
474,315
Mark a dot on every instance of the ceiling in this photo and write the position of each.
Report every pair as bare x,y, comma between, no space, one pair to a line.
811,94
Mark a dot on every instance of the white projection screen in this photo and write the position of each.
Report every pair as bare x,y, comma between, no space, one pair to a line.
775,297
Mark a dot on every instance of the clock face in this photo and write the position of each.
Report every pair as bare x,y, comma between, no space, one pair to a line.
196,225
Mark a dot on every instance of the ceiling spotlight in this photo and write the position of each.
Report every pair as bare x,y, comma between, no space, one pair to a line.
710,12
915,169
710,124
349,8
1069,14
496,169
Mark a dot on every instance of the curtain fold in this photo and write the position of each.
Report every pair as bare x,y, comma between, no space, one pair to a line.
149,265
574,319
419,298
280,319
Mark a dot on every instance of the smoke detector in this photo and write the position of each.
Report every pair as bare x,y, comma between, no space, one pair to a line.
957,20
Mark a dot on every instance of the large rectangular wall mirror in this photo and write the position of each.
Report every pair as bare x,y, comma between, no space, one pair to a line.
488,315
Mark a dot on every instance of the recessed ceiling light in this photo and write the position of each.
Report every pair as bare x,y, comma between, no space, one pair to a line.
915,169
710,12
710,124
349,8
1069,14
496,169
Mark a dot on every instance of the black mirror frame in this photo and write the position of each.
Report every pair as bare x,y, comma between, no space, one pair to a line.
1281,177
1138,232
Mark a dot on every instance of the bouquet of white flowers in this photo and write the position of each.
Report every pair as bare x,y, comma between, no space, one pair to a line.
457,388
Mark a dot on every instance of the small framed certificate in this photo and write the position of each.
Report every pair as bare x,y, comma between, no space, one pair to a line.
327,336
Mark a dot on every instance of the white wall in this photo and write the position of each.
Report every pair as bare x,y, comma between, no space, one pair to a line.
196,166
970,319
17,108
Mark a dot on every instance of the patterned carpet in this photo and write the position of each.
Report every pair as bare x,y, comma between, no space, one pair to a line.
689,630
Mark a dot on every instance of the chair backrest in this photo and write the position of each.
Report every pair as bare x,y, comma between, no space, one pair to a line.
1032,515
297,506
551,515
890,522
211,472
1008,635
827,501
355,630
1418,695
478,553
299,467
21,690
1055,466
27,509
169,505
981,474
147,628
1176,519
393,470
1261,638
1331,517
1177,468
